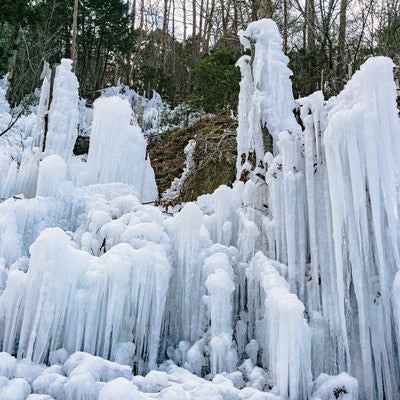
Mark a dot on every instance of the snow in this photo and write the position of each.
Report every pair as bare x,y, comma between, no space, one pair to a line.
16,389
8,365
83,376
342,386
120,388
285,286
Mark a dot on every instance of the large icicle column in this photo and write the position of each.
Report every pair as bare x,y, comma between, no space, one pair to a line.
265,100
362,142
219,284
266,104
281,330
63,113
58,140
331,199
117,150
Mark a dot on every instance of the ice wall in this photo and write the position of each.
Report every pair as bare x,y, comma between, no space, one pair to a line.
286,283
362,145
118,149
331,208
103,292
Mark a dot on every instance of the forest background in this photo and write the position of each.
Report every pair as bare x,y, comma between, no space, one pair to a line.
186,49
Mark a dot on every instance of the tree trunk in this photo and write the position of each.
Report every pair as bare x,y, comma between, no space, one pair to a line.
133,15
164,30
209,27
310,24
141,25
184,22
74,30
201,18
255,7
224,25
342,37
285,26
194,34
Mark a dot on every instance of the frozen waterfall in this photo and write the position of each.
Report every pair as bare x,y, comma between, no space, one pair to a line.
285,286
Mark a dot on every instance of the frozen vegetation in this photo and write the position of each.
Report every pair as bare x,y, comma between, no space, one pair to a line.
282,287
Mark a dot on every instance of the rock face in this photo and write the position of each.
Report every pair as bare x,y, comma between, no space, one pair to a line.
214,157
81,145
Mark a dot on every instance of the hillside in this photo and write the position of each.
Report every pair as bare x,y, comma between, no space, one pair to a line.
214,156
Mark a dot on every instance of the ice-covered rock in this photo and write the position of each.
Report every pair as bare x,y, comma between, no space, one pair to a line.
120,388
342,386
16,389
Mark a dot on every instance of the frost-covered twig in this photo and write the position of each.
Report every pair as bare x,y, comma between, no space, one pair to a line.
174,191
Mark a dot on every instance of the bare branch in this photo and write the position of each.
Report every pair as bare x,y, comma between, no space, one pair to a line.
12,123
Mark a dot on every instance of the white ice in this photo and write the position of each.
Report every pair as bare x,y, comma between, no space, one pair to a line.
282,287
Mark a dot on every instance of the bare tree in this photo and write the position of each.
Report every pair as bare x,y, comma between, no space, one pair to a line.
74,30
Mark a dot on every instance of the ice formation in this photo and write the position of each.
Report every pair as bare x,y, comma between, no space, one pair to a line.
174,191
266,99
146,110
333,218
282,287
63,112
117,150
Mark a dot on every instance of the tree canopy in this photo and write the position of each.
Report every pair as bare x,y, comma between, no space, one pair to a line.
187,49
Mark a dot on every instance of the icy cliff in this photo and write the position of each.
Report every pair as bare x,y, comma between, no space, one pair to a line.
282,287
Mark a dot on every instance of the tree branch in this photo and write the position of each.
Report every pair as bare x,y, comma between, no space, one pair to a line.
11,124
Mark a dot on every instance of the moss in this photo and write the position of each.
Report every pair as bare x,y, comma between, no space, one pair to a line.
214,157
207,179
166,135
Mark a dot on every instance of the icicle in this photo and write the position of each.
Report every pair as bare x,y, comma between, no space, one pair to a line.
361,139
185,235
63,113
285,338
220,286
52,173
